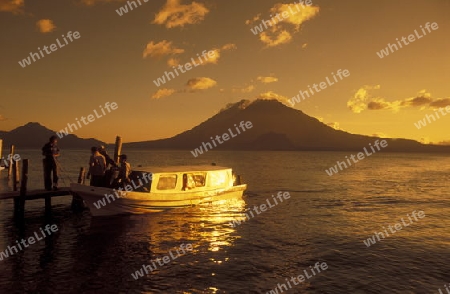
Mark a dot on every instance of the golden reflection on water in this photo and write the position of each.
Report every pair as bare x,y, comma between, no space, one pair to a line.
202,226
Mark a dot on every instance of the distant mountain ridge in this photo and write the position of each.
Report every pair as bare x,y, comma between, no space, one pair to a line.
33,136
275,127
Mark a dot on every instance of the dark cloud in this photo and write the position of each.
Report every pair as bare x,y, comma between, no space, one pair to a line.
442,102
362,100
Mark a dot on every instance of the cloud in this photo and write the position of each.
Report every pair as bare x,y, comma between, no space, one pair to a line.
380,135
296,17
334,125
172,62
440,102
446,143
93,2
213,58
358,102
200,83
248,89
275,39
2,118
285,21
13,6
45,26
174,14
163,48
380,104
250,21
425,140
267,80
229,46
161,93
362,100
270,95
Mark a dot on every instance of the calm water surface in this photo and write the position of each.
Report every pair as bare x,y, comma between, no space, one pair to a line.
326,219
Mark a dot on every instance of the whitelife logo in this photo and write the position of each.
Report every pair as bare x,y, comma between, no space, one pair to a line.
10,159
102,202
360,155
397,227
124,9
279,17
90,118
76,35
423,123
49,229
411,38
184,68
225,137
263,207
323,85
281,287
162,261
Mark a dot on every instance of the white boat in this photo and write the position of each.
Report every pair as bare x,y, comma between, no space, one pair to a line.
161,188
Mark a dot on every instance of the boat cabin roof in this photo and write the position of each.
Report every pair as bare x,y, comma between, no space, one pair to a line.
182,169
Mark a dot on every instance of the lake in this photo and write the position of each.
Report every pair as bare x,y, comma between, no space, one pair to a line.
325,220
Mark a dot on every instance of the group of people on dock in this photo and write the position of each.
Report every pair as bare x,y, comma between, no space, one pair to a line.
103,170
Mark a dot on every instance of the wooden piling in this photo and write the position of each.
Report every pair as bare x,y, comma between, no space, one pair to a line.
19,202
48,205
48,198
10,162
77,201
16,174
117,149
81,175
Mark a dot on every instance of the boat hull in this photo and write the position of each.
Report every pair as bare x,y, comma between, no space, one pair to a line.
106,201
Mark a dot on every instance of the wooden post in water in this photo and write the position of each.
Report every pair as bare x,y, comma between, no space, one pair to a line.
117,149
48,205
77,201
19,202
16,174
81,175
11,153
1,146
48,198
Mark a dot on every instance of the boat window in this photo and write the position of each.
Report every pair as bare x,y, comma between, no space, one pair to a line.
167,182
218,178
193,180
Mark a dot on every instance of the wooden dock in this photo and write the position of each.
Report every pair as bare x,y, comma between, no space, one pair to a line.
20,196
36,194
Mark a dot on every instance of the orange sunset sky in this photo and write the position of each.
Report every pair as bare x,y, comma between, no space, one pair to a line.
117,58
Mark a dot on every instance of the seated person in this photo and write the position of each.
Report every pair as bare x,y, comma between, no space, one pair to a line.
188,182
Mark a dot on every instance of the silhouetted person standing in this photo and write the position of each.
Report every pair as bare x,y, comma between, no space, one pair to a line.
108,178
50,151
97,168
109,160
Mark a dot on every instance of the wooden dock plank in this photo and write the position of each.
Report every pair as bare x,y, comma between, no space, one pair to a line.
36,194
